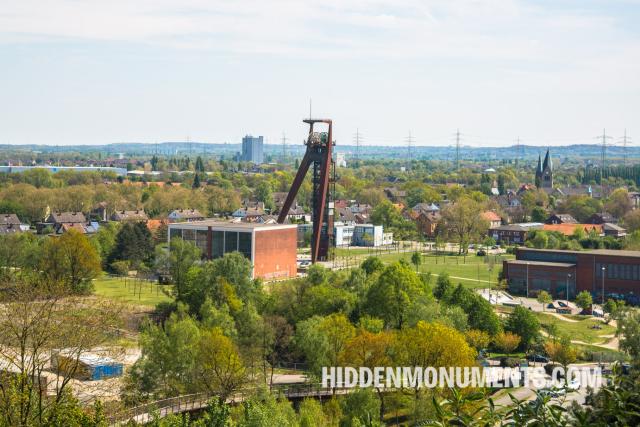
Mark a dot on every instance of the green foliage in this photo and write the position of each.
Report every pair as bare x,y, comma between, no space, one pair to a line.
584,300
361,408
444,287
372,265
390,296
525,324
72,260
629,332
134,243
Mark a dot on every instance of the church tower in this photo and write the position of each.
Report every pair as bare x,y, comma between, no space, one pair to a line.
547,171
538,181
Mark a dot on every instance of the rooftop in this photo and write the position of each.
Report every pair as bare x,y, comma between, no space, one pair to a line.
605,252
540,263
214,223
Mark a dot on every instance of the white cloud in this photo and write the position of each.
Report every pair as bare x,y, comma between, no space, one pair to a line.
482,29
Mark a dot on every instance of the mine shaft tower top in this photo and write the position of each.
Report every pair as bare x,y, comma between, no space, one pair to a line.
319,154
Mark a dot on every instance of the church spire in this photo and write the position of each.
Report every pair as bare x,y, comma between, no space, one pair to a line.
548,164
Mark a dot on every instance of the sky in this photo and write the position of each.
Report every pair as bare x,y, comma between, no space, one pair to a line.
550,72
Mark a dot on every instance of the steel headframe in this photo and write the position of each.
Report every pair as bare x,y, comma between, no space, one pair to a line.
318,154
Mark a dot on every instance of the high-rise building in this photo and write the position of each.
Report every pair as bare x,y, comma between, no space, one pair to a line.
252,149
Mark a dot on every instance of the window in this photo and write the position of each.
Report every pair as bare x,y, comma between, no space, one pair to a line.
189,235
230,241
217,244
176,233
201,240
244,244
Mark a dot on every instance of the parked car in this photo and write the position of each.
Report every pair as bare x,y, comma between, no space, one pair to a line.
481,252
537,358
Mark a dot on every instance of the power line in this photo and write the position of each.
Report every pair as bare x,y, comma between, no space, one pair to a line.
284,146
604,137
357,138
457,150
625,140
409,140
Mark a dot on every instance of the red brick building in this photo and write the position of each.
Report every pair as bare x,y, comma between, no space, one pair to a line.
271,248
556,271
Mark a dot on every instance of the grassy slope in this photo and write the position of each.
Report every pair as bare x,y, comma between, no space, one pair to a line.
579,330
115,288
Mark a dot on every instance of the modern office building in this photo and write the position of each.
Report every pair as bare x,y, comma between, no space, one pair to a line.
366,235
614,273
271,248
252,149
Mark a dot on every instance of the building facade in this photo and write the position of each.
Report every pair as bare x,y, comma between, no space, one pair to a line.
513,233
271,248
614,273
252,149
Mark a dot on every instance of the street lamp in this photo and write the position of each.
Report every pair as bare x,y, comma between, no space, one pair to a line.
567,295
527,280
603,271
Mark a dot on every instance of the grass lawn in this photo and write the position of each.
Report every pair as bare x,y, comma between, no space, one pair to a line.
341,252
579,330
472,271
133,292
607,353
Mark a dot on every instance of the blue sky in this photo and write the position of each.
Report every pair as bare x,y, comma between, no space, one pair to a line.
551,72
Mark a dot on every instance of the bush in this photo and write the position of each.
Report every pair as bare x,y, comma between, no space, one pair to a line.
549,367
509,362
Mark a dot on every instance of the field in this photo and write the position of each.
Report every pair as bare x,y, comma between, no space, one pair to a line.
474,271
579,330
130,291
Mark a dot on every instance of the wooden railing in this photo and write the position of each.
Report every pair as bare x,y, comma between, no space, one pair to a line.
192,402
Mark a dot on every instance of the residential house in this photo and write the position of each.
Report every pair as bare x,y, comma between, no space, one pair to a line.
10,223
514,233
561,219
511,205
614,230
569,228
395,194
279,198
249,214
601,218
425,207
185,215
427,223
54,221
137,215
492,218
297,213
345,216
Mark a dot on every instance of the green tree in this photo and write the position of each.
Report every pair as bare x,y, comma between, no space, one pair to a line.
71,259
629,333
416,259
372,264
196,181
525,324
218,367
134,243
584,300
464,223
390,296
181,257
544,298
